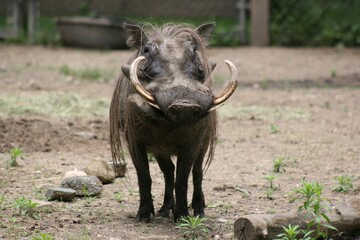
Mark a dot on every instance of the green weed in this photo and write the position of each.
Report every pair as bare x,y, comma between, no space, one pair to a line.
273,129
15,154
344,184
2,202
93,74
270,178
193,227
333,72
26,207
66,70
43,236
271,189
119,196
312,203
278,163
292,232
53,104
85,192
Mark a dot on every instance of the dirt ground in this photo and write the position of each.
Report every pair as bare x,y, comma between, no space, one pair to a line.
310,97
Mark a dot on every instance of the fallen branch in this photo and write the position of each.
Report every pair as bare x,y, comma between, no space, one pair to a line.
345,216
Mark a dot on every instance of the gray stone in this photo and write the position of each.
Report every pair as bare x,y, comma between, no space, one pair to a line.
60,194
86,135
74,173
43,206
102,170
228,236
83,185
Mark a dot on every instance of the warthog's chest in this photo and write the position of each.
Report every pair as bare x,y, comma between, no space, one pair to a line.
169,138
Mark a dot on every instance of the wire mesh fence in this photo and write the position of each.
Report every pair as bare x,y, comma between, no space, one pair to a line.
292,22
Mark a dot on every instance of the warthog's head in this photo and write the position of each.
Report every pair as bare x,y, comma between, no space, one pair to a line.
171,71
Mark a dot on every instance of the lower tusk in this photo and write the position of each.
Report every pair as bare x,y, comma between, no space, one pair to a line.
154,105
215,107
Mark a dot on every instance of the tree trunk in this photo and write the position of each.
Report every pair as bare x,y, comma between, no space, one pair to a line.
345,216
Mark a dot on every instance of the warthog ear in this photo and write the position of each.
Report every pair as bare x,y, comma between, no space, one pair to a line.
135,35
205,30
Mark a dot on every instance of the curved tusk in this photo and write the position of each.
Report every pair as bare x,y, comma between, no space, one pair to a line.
229,90
215,107
139,88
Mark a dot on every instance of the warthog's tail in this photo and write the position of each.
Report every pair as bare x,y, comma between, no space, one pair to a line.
116,135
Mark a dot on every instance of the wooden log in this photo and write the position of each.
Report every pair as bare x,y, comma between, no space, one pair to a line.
345,216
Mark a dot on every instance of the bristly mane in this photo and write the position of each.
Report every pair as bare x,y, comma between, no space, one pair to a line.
123,122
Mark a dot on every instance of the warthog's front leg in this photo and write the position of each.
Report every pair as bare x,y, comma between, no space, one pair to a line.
198,200
183,168
168,168
139,156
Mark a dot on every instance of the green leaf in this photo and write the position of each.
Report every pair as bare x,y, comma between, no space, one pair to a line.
326,218
330,227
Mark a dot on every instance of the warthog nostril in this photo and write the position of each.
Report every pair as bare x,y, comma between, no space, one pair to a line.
174,111
197,112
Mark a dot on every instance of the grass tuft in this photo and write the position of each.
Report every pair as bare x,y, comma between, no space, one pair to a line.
53,104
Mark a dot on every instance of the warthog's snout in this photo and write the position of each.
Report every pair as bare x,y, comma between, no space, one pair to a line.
182,111
183,105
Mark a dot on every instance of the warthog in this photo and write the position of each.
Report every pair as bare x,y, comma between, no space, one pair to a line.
163,104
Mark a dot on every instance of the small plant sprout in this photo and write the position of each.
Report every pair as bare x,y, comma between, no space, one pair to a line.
312,203
270,190
42,236
278,164
85,191
344,184
15,154
333,72
292,232
119,196
26,207
273,129
2,202
271,179
193,227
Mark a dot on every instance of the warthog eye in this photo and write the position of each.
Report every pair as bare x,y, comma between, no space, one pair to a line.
193,68
145,50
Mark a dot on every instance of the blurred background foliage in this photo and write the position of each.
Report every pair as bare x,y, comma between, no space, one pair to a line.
315,22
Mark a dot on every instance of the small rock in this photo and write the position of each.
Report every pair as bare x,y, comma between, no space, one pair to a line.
86,135
228,236
43,206
102,170
83,185
222,220
34,86
74,173
217,237
61,194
